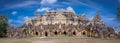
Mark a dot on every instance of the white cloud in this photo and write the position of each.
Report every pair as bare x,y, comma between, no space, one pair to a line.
110,19
69,3
43,2
87,3
14,13
10,20
119,1
43,9
21,4
18,21
69,8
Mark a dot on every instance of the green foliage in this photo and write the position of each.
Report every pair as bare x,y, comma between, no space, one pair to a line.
3,25
118,13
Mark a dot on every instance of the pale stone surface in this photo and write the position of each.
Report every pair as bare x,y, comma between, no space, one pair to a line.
62,23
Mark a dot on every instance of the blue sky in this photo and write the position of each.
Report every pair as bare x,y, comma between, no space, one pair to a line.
17,10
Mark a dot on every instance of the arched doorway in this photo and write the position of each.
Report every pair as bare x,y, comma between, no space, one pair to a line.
55,33
46,34
83,33
74,33
36,33
64,32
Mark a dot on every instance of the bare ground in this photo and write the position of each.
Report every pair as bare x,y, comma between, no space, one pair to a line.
58,40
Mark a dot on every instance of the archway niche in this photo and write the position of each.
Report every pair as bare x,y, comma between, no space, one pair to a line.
64,32
74,33
55,33
83,33
46,34
36,33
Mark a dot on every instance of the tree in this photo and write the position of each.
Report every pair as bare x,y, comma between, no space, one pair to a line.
3,25
118,13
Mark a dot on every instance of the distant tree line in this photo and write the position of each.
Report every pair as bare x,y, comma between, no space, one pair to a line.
3,25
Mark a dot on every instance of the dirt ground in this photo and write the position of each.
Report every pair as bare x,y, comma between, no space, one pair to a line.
58,40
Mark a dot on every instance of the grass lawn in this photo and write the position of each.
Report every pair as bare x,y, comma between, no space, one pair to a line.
58,40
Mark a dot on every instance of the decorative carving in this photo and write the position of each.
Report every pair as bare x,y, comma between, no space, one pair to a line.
63,23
